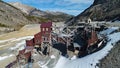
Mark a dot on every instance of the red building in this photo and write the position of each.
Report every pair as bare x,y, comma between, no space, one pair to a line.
30,42
46,29
37,38
23,56
41,37
93,39
22,52
30,45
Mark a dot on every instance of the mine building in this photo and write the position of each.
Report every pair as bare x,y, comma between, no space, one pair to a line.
23,57
46,29
81,40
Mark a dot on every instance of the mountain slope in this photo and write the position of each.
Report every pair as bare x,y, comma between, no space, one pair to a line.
11,18
102,10
20,6
54,16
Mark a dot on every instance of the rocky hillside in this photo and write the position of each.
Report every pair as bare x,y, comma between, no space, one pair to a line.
14,17
100,10
112,60
11,18
54,16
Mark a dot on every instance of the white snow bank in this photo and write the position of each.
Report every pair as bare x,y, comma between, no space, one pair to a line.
15,39
109,30
2,41
19,46
43,64
74,57
23,38
52,57
4,57
89,61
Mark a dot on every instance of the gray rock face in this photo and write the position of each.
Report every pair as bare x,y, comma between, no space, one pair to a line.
11,16
102,10
112,60
5,30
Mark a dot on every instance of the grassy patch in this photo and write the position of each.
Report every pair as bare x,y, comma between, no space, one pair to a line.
3,25
2,10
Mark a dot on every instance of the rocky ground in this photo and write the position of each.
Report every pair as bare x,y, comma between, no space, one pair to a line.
112,60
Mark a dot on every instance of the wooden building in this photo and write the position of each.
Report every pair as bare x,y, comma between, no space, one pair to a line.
30,42
37,38
92,39
23,56
46,29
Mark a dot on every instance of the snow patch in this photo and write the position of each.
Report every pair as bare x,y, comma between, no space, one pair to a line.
109,30
74,57
5,57
15,39
43,64
52,57
2,41
20,45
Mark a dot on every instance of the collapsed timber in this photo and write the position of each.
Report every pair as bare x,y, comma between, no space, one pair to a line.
70,40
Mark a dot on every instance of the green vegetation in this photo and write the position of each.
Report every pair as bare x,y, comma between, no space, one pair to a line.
3,25
2,10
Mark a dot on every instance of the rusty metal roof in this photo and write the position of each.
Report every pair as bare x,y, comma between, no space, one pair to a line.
46,25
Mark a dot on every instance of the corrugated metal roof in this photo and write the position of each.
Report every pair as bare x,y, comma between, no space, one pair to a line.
46,25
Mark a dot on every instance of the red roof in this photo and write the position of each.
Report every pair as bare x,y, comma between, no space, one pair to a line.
46,25
30,42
